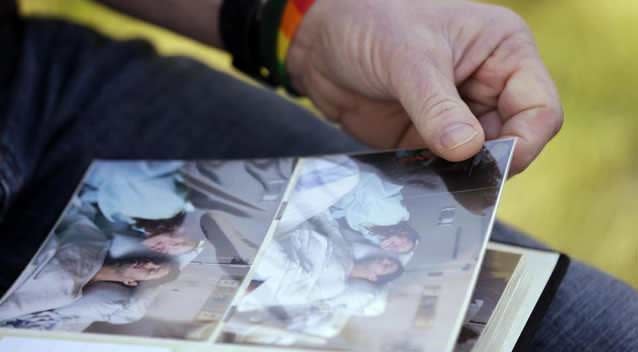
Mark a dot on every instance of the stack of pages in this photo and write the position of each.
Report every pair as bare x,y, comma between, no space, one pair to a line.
370,252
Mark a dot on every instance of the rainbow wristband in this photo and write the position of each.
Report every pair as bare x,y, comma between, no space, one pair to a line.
278,22
291,19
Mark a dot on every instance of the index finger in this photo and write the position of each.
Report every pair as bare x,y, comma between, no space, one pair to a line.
514,83
531,111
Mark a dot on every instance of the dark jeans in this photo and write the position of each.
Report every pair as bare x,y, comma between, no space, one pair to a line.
68,95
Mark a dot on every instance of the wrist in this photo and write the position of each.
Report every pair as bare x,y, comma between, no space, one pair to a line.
259,35
291,43
298,54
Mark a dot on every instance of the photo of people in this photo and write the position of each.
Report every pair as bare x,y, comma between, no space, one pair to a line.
374,252
150,248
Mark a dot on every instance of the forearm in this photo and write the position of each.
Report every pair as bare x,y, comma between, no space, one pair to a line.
198,19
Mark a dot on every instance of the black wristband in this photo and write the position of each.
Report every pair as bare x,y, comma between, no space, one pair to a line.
8,9
239,29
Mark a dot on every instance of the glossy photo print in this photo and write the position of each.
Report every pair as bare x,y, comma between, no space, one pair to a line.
150,249
366,252
374,252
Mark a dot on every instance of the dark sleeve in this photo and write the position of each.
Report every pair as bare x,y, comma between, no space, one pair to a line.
8,8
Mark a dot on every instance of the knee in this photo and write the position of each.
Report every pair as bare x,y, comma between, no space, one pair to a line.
591,312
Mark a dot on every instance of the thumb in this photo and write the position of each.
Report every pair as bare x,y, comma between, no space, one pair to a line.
436,109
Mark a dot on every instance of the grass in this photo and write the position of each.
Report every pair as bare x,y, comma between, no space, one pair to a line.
581,195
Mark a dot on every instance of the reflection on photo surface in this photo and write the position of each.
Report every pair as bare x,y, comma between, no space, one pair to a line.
373,252
156,249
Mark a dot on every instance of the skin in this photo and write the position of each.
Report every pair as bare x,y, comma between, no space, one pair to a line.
130,274
397,244
417,72
371,270
407,73
169,244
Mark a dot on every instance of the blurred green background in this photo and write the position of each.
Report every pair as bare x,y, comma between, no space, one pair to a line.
581,195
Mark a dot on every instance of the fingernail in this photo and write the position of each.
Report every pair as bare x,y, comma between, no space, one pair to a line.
457,135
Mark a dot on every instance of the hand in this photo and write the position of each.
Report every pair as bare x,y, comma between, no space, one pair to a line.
444,74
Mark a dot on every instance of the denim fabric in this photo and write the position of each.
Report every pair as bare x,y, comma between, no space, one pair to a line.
591,311
68,95
71,96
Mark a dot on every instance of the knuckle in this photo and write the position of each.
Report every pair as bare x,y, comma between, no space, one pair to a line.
553,118
508,16
438,107
520,35
405,62
524,160
519,167
559,119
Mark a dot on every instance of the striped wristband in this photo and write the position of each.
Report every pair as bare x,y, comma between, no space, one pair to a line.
280,20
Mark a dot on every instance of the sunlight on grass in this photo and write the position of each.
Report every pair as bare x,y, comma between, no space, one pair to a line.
581,196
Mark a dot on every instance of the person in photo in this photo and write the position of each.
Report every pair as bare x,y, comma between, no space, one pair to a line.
79,260
398,239
160,237
70,94
132,271
111,297
306,266
374,202
128,192
141,205
106,302
358,198
321,184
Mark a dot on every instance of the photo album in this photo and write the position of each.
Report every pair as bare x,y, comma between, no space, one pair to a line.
385,251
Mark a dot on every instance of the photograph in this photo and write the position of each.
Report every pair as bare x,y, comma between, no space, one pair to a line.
496,272
150,249
374,252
